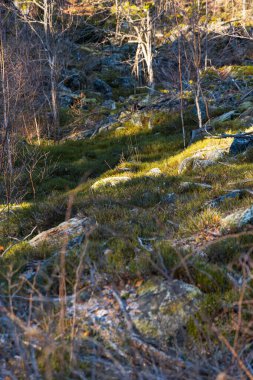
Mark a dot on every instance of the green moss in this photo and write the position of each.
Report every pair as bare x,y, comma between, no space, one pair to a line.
148,286
228,250
224,251
147,328
213,308
66,116
209,278
166,256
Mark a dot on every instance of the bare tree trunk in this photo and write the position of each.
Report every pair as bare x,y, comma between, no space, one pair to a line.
244,10
149,45
6,156
54,96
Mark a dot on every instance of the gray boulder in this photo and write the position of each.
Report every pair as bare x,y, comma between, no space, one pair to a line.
234,194
224,117
239,218
169,198
201,160
102,87
63,233
127,82
74,79
162,308
66,96
240,145
109,104
188,186
110,181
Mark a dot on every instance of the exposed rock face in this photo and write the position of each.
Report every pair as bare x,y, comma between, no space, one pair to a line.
201,160
74,79
103,87
162,308
109,104
239,218
240,145
109,181
64,232
124,82
66,96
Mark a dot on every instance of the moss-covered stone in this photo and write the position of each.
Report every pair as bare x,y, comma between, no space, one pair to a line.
162,308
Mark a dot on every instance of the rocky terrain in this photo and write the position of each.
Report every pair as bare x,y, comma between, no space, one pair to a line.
131,257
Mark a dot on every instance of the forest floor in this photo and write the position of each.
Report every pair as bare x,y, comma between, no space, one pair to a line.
149,276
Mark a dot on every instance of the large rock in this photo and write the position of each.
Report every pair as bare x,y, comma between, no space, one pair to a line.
74,79
189,186
66,96
102,87
110,181
239,218
64,232
162,308
231,195
109,104
124,82
201,160
224,117
240,145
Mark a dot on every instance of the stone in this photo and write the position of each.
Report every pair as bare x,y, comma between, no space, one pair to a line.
109,104
110,181
124,82
202,164
224,117
234,194
240,145
201,159
169,198
162,308
239,218
63,233
74,79
155,172
66,96
113,61
187,186
245,106
136,119
102,87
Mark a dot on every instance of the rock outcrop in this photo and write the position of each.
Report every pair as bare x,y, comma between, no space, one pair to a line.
162,308
110,181
64,232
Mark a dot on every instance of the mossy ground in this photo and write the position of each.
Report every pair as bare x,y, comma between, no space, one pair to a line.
136,222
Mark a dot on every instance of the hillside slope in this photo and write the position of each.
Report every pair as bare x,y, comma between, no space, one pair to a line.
128,255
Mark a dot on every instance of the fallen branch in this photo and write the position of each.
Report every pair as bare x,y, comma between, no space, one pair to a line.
246,135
